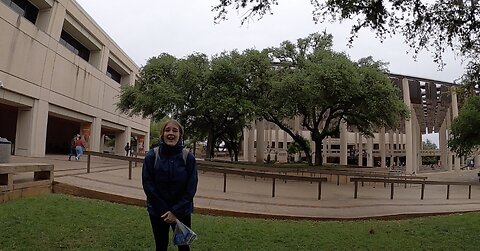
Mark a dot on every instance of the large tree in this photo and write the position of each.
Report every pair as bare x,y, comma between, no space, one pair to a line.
465,132
210,97
324,88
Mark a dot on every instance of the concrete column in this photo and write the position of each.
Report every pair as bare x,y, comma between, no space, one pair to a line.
415,146
251,143
328,149
245,143
269,139
382,148
296,127
121,140
443,145
402,142
102,143
324,150
96,137
448,120
370,152
55,21
360,149
391,152
343,142
260,141
408,129
32,130
146,143
397,145
455,114
269,135
277,132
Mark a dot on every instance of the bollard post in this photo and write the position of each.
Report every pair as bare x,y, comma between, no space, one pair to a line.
88,163
391,190
273,188
448,192
224,182
320,190
130,170
423,190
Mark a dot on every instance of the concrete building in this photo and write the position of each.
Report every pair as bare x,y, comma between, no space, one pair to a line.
432,107
61,75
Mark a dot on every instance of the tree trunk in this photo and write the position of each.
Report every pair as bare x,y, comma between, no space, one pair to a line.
230,154
236,155
305,148
318,153
210,145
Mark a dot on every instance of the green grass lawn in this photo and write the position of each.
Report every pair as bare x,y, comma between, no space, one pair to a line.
60,222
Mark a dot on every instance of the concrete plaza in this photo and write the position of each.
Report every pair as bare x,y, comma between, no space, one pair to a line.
252,197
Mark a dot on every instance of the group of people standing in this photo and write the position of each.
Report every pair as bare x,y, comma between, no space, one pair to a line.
76,147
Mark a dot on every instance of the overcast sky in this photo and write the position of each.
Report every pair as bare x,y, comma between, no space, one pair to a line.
146,28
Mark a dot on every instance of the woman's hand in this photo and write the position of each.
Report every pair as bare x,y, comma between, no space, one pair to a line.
169,217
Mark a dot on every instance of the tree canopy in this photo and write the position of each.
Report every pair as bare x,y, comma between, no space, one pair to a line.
324,87
433,25
212,98
465,132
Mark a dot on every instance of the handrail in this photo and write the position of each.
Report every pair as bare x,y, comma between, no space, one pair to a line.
421,182
273,176
223,170
113,156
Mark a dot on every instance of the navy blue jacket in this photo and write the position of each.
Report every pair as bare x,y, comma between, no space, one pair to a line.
170,185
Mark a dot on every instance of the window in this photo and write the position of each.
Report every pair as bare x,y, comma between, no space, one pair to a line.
273,144
280,144
113,74
376,146
23,8
73,45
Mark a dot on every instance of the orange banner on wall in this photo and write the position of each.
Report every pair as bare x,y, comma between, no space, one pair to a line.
85,129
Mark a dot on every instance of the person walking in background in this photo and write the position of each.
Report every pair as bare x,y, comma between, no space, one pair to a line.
72,147
79,147
127,149
169,179
133,150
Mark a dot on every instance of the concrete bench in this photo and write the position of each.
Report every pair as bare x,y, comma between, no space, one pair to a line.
16,180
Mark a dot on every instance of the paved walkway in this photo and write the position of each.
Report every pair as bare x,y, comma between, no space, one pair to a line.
246,196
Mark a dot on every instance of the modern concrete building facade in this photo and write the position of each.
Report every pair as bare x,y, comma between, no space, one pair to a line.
432,107
61,75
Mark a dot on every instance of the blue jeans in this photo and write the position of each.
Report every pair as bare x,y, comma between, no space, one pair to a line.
79,150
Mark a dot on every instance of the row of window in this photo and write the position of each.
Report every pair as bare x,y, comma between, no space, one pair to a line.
24,8
74,46
30,12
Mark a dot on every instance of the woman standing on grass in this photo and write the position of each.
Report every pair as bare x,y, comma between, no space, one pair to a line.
169,178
